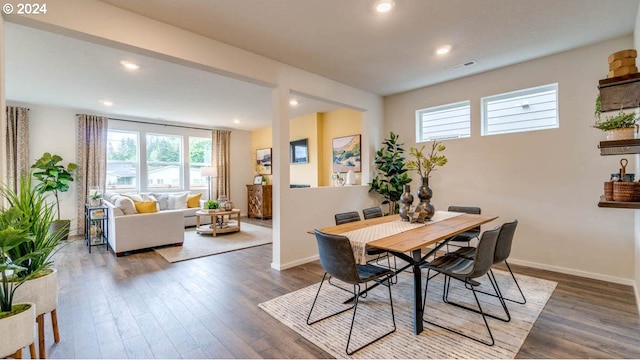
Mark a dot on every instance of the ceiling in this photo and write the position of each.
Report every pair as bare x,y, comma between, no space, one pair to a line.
346,41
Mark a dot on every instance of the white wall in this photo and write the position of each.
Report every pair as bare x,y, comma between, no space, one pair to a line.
93,20
549,180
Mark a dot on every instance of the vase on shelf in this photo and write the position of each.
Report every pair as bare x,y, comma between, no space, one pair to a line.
425,194
406,199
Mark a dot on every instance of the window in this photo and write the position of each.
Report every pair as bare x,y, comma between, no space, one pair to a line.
449,121
523,110
164,161
122,160
199,156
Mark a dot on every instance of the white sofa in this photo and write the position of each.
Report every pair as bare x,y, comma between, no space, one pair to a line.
142,231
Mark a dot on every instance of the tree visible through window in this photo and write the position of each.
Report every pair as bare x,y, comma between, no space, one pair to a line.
122,160
199,156
164,165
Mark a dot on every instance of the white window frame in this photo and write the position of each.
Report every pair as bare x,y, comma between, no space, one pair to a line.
442,109
522,96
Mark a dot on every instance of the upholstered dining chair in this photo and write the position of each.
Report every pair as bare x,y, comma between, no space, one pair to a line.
468,235
336,257
371,213
503,250
466,270
346,217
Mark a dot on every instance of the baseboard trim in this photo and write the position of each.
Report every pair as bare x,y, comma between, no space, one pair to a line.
294,263
637,292
586,274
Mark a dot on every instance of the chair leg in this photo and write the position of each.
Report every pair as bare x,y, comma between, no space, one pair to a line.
469,285
328,316
484,318
356,289
41,348
54,324
32,351
524,300
17,354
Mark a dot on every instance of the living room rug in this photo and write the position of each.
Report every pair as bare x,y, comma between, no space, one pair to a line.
373,319
196,245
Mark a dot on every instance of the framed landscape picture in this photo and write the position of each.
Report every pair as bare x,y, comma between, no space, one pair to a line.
346,154
263,161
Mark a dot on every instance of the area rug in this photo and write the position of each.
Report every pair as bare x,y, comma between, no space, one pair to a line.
373,319
199,245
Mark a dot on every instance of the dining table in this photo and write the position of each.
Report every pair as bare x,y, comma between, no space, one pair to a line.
408,241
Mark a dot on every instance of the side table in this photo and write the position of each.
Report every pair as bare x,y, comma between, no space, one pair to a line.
96,225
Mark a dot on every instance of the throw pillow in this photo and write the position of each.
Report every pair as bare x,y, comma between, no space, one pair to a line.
135,197
125,204
145,207
149,197
163,200
193,201
178,201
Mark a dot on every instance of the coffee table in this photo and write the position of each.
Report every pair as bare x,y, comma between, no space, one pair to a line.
218,224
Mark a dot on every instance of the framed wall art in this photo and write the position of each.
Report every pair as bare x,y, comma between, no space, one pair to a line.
263,161
346,154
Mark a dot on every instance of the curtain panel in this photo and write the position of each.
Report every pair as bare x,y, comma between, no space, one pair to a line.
220,158
92,159
17,145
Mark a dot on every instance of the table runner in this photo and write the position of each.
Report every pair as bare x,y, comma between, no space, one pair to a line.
360,237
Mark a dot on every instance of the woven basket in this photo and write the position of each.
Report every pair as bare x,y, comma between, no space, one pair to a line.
608,190
623,191
636,191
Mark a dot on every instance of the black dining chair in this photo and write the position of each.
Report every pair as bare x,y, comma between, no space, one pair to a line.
371,213
336,257
347,217
468,235
503,250
466,270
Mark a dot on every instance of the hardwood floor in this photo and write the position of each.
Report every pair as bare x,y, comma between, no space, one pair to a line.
141,306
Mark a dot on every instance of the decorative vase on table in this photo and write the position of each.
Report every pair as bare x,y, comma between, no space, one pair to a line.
425,194
406,199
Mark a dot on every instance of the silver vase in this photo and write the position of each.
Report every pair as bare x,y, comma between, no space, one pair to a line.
406,199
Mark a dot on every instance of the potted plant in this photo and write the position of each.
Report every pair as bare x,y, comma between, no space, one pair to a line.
424,165
54,178
618,127
95,199
41,285
391,174
15,319
212,205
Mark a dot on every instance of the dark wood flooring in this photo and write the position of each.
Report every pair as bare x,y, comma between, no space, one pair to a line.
141,306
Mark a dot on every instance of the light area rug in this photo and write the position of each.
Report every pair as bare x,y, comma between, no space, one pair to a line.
374,318
199,245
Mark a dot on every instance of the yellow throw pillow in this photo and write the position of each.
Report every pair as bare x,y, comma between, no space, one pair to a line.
193,201
145,207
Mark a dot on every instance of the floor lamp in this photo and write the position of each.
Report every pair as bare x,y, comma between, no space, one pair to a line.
208,172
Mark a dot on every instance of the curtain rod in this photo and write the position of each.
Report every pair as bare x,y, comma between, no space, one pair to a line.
150,123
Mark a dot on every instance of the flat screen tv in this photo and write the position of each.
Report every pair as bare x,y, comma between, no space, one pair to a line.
298,152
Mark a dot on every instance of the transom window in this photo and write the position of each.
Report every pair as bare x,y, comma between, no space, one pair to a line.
450,121
523,110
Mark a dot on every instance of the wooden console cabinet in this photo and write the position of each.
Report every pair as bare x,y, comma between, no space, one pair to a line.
259,201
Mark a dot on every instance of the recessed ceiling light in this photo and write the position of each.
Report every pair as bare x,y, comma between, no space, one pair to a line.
384,6
129,65
293,102
236,121
106,102
443,50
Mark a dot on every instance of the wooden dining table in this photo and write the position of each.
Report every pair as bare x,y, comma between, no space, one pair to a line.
408,245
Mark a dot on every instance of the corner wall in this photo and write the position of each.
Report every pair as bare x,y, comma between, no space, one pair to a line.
549,180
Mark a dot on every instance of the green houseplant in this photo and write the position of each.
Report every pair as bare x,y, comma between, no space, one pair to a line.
211,204
424,165
618,127
15,319
391,173
54,178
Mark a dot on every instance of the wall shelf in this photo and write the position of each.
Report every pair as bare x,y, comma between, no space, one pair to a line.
622,92
618,204
619,147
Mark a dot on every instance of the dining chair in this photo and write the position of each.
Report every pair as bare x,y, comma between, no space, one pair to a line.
468,235
371,213
336,258
503,250
466,270
346,217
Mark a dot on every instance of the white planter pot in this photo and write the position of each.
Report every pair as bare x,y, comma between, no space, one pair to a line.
17,331
42,291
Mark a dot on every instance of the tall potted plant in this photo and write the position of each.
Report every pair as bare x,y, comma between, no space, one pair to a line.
41,287
424,165
54,178
391,173
15,319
